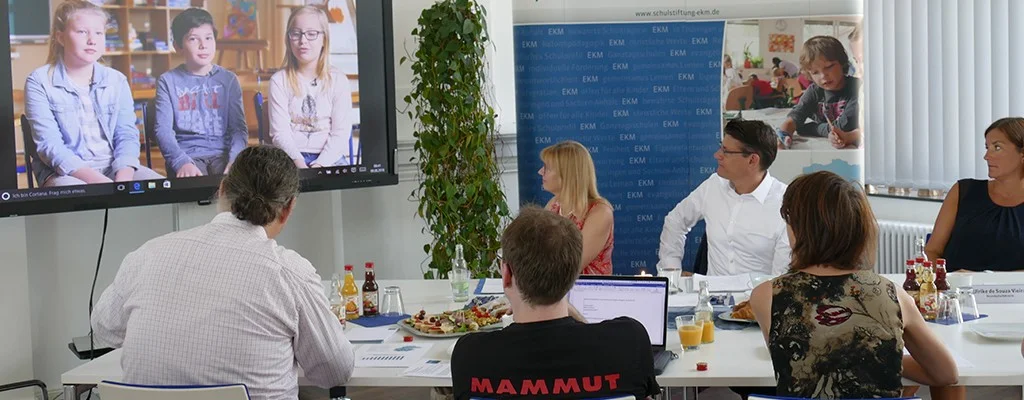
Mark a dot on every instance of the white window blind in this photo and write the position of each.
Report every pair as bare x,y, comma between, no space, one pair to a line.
938,72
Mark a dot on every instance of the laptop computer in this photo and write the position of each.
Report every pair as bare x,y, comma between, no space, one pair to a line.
643,298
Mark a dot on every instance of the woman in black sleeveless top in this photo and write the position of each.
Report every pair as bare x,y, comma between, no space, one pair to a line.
981,223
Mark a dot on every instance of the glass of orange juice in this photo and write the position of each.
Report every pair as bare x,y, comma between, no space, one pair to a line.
691,331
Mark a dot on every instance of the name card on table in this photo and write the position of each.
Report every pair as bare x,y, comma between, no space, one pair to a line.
999,294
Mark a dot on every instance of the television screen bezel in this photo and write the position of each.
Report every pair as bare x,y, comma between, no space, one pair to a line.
382,43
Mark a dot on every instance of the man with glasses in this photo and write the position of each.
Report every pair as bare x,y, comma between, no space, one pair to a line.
740,205
546,353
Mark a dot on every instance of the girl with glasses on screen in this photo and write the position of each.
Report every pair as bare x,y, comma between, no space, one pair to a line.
81,112
311,102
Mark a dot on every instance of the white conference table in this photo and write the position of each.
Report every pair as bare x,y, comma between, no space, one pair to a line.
737,358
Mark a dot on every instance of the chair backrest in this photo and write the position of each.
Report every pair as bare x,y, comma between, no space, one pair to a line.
262,119
122,391
700,263
763,397
147,129
30,149
740,98
26,384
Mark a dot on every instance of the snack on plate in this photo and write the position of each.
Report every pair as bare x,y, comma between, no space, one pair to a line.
743,311
458,321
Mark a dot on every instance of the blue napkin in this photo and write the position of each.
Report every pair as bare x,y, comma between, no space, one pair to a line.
951,322
378,320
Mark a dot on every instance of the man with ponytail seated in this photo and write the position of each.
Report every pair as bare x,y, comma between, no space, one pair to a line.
224,303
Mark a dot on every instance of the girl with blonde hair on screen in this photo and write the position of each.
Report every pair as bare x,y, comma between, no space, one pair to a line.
569,174
81,112
310,101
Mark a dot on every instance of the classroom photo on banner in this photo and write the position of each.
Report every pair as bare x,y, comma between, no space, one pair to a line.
802,76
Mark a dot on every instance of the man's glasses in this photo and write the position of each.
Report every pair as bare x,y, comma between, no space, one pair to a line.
723,150
310,35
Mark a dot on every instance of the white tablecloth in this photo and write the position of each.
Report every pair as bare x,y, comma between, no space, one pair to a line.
737,358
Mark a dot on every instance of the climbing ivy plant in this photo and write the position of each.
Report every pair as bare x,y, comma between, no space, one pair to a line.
459,193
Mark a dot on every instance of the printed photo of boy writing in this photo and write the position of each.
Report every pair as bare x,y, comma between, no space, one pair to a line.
830,107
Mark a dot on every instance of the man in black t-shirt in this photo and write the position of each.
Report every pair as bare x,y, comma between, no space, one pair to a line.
546,353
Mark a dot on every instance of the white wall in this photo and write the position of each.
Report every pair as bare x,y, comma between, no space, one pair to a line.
16,335
923,212
791,26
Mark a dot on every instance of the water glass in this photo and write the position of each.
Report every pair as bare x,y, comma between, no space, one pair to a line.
673,275
459,279
391,305
691,332
968,304
949,308
685,284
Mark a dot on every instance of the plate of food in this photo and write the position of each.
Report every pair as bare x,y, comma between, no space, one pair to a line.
740,313
486,317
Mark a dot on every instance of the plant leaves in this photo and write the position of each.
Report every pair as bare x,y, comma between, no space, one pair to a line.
459,197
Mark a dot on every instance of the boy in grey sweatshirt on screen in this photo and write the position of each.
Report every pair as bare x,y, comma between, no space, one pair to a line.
200,122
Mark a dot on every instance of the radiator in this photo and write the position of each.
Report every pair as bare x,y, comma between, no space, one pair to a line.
897,243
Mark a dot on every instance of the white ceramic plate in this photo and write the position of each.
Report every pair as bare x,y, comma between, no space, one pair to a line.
727,316
999,331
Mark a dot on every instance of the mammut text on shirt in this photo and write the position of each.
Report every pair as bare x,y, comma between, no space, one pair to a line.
560,358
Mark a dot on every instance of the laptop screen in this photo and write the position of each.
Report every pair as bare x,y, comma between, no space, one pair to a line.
642,298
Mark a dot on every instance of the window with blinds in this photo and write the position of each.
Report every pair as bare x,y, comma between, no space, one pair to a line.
938,72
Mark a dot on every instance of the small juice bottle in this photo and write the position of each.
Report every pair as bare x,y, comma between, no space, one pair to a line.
350,294
709,332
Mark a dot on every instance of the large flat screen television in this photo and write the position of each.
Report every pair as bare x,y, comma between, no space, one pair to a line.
70,144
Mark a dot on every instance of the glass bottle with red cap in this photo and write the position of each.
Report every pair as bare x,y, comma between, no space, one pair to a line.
370,293
940,275
911,284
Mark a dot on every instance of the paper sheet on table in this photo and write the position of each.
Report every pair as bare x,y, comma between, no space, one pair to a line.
730,283
390,355
378,334
430,369
683,300
960,361
490,286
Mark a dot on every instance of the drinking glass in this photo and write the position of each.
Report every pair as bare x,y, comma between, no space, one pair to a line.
691,331
459,279
949,308
968,304
686,284
392,306
673,275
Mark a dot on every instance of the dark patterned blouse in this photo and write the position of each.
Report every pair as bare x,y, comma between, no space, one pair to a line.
836,336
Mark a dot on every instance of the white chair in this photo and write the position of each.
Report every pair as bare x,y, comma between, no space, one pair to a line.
763,397
123,391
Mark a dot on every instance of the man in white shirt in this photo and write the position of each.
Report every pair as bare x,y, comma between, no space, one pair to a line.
223,303
740,206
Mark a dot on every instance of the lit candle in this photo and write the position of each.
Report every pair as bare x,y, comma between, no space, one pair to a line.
642,273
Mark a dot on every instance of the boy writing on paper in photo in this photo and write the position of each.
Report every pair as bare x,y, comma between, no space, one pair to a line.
200,122
830,107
